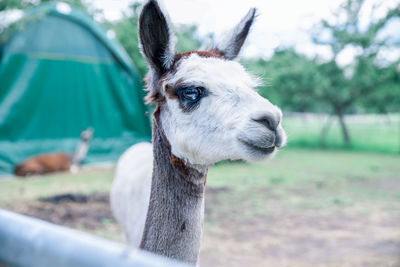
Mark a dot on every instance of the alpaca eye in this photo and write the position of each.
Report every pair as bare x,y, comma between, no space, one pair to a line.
190,97
191,94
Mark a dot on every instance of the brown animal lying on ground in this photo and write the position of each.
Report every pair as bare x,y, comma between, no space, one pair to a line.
55,162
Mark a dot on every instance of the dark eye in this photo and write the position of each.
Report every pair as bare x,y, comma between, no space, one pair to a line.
192,93
190,97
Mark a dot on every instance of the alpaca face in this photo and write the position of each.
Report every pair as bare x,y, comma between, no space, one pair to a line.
212,113
209,109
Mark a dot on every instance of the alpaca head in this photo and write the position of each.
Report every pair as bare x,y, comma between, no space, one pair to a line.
87,134
209,109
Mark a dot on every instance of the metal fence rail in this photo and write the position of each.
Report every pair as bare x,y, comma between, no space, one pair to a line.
25,241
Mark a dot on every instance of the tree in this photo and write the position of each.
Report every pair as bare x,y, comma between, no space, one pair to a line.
300,84
295,83
288,80
303,84
365,77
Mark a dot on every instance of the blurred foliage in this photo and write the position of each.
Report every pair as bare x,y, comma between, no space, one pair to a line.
126,31
10,4
301,84
387,97
285,76
187,40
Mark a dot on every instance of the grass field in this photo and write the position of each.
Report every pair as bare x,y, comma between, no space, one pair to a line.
303,208
379,133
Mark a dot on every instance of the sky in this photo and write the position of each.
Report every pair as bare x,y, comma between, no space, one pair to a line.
279,23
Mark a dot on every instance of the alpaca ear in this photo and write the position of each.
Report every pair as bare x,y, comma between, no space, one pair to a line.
232,44
156,37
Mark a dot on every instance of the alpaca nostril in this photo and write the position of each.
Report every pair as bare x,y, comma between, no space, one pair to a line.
268,121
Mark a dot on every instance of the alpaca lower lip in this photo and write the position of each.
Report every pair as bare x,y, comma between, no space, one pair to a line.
263,150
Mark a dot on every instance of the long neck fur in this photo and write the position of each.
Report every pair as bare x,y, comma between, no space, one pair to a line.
175,215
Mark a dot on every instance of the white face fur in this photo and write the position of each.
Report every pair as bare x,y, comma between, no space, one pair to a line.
222,124
211,110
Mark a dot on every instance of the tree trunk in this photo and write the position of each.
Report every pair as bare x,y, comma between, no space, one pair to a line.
324,131
345,132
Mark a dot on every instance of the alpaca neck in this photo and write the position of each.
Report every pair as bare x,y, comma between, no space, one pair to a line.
175,215
80,152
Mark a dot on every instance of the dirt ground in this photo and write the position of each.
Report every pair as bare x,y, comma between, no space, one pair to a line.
88,212
360,235
307,237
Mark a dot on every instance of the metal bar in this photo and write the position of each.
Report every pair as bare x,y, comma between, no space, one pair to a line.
26,241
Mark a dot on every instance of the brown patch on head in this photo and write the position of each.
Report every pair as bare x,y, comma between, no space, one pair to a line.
170,90
210,53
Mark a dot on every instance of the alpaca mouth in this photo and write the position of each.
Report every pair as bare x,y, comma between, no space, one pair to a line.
259,149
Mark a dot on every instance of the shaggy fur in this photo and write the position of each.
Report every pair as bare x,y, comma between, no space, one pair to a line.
207,111
171,231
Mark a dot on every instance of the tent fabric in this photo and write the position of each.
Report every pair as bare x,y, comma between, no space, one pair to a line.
59,75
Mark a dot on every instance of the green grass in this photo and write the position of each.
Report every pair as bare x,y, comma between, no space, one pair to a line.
302,178
369,134
87,181
324,177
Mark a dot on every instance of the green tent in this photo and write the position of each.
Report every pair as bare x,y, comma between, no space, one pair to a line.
60,74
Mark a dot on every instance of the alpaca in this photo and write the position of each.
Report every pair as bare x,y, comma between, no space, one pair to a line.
206,111
56,162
